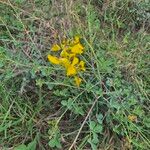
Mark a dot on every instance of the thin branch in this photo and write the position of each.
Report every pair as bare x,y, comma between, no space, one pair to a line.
88,114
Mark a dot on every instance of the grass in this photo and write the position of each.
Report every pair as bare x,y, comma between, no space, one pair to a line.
41,108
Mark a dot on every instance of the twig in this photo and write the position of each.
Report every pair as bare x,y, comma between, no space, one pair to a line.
72,145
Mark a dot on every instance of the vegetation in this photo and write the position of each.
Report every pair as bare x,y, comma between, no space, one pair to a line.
41,108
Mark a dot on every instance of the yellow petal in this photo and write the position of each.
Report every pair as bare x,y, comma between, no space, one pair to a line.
71,70
77,49
55,47
72,55
76,39
132,118
82,65
75,61
64,53
64,43
77,81
53,59
65,62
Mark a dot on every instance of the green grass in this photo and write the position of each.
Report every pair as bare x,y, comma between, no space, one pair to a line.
41,108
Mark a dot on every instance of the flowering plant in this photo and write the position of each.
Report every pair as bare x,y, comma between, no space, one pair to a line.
70,50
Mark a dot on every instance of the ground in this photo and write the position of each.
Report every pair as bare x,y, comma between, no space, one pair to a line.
42,108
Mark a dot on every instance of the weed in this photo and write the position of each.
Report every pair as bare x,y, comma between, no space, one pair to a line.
107,107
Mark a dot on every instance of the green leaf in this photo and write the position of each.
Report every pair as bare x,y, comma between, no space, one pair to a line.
93,145
1,64
21,147
64,103
78,110
95,139
40,82
114,103
19,1
58,144
98,128
92,125
32,145
95,127
138,111
99,118
55,142
146,122
52,143
50,86
68,103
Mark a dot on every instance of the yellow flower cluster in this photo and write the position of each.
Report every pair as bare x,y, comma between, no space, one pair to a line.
132,118
69,57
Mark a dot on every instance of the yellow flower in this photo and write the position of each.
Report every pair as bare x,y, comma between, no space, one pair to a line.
55,47
75,61
53,59
71,70
69,51
132,118
77,81
77,49
65,62
82,65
